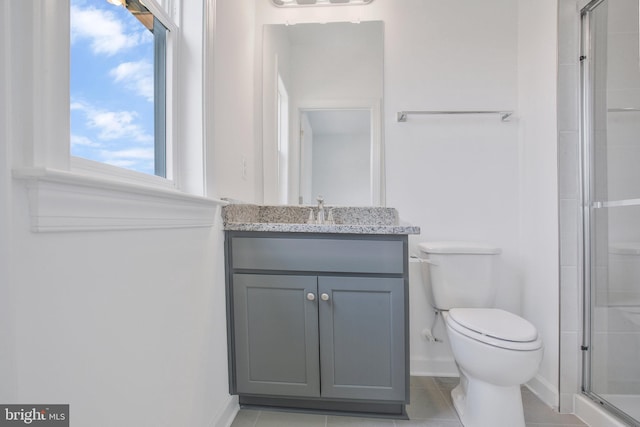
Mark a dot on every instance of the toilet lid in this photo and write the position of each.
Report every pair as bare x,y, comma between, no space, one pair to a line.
496,327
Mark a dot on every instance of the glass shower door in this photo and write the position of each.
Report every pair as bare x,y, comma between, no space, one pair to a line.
611,183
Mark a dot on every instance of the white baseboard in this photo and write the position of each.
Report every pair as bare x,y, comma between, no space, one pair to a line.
227,413
422,367
592,414
546,391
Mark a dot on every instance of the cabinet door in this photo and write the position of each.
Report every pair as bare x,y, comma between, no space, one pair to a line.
276,335
362,338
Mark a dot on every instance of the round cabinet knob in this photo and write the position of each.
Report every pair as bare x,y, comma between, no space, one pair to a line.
324,297
311,296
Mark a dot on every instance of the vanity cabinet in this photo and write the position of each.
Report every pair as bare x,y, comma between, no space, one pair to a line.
318,321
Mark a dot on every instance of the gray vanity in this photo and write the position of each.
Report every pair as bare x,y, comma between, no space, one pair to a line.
318,314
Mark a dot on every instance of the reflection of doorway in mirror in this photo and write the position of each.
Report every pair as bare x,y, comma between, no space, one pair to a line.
336,147
306,159
283,142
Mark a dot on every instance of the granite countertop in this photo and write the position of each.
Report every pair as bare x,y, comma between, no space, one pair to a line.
293,219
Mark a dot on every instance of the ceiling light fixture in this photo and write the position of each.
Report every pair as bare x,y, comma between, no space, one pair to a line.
296,3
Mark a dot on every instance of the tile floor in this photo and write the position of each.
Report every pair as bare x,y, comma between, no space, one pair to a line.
430,407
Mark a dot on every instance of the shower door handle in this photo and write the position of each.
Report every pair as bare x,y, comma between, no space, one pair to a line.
615,203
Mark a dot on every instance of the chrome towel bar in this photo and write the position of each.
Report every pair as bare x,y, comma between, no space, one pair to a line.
623,110
402,115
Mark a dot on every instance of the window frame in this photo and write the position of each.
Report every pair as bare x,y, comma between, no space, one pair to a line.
66,193
103,170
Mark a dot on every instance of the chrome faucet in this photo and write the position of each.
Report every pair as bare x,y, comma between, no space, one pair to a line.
320,219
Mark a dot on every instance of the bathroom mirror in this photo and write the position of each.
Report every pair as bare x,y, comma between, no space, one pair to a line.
322,87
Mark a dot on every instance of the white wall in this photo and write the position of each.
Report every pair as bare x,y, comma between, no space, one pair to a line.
436,58
459,177
127,326
342,168
329,63
454,176
537,62
234,142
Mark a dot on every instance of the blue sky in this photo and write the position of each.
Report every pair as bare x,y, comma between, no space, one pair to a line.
111,86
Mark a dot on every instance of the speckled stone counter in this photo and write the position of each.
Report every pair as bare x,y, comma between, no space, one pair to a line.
293,219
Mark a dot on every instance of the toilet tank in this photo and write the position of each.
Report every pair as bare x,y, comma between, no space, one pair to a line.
460,274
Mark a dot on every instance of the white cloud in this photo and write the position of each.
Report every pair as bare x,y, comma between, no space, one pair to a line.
105,31
79,140
114,124
114,137
77,106
134,158
117,124
135,76
132,153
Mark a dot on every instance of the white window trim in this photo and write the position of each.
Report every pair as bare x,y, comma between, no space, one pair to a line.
95,168
67,201
72,194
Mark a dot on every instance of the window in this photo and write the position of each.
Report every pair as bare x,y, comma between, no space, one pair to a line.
118,85
70,193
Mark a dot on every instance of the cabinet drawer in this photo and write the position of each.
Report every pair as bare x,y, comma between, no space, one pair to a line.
318,255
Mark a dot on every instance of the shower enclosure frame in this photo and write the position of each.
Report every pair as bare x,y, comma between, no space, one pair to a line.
588,204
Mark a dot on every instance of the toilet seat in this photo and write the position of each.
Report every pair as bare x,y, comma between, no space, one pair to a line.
495,327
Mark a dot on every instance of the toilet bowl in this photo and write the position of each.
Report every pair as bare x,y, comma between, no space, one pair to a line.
496,351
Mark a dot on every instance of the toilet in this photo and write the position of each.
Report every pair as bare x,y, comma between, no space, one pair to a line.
496,351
